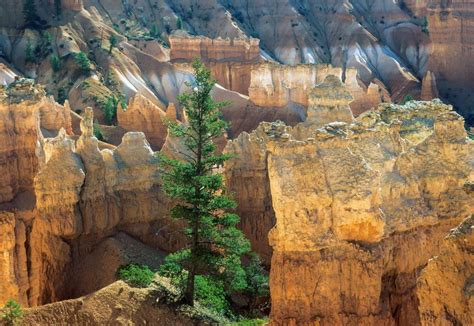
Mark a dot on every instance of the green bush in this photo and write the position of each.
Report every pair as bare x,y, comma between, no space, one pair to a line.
424,26
98,132
211,294
179,23
136,275
62,95
30,53
83,62
11,313
55,63
251,322
113,40
407,98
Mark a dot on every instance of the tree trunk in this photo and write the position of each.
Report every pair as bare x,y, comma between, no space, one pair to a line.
189,294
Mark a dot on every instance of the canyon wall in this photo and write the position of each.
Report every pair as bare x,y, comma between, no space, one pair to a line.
187,48
451,27
63,197
274,85
360,208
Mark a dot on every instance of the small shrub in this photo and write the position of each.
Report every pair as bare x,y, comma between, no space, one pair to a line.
98,132
57,7
113,40
62,95
406,99
11,313
136,275
30,53
179,23
83,62
155,32
55,63
211,294
250,322
424,26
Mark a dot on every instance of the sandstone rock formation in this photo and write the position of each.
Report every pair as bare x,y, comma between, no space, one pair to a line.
450,24
25,113
186,49
329,102
63,197
445,288
360,208
278,85
143,115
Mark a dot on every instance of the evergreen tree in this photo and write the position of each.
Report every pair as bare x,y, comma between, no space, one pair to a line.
83,62
215,244
58,7
179,23
32,20
113,40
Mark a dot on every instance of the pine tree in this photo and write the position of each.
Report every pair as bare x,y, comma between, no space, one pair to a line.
215,244
113,40
32,20
179,23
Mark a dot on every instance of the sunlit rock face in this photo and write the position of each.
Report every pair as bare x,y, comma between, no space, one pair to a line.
279,85
62,196
445,286
25,112
359,209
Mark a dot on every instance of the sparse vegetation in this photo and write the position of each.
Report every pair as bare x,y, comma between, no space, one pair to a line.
136,275
83,62
29,53
30,15
424,25
58,7
113,40
406,99
211,269
62,95
55,63
98,132
11,313
179,23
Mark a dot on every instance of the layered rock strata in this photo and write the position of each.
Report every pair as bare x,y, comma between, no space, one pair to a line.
445,288
360,208
277,85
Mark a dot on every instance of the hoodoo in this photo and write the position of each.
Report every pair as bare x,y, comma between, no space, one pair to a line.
207,162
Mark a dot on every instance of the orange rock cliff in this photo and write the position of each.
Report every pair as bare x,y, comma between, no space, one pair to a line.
354,182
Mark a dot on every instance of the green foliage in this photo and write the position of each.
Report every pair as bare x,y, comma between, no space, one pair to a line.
30,53
155,32
113,40
211,294
32,20
62,95
470,135
250,322
136,275
216,245
11,313
257,280
109,107
98,132
57,7
55,63
83,62
179,23
424,25
406,99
